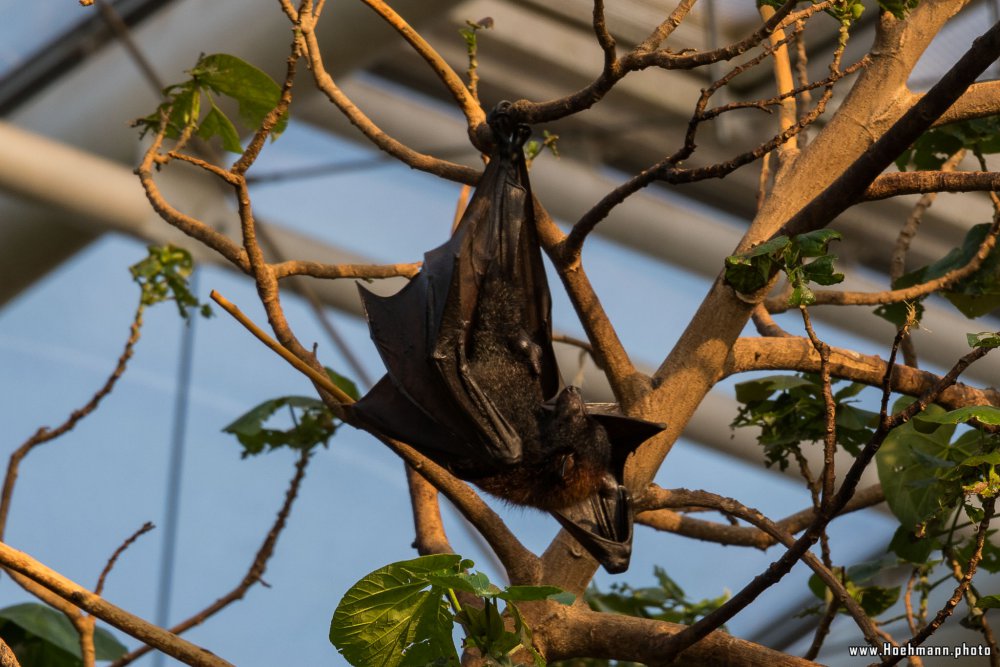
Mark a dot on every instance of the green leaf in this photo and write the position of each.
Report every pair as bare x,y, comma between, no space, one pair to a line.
874,600
977,294
45,637
753,270
789,411
532,593
989,602
906,467
312,424
665,602
216,124
987,414
983,339
990,559
395,616
816,243
344,383
255,92
821,272
898,313
911,548
163,276
762,388
898,8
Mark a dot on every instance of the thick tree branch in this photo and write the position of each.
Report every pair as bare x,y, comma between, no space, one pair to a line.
563,632
672,521
797,354
980,100
850,186
921,182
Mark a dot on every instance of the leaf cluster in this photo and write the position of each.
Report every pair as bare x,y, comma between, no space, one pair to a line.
753,270
163,276
403,615
929,476
789,410
185,104
42,637
312,422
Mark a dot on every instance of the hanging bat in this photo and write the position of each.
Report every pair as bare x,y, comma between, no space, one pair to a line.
472,380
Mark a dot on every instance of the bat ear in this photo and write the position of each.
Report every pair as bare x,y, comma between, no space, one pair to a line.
626,433
602,526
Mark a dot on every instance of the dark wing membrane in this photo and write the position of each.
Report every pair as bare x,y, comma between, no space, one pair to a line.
603,526
499,242
423,332
602,523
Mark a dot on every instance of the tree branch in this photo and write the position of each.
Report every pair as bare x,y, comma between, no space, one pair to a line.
797,354
850,186
980,100
564,632
442,168
921,182
659,497
743,536
254,574
132,625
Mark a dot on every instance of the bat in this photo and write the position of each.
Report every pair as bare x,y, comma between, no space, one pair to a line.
472,381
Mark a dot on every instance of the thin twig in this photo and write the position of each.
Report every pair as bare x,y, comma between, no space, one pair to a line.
130,624
146,527
319,378
959,593
44,434
257,566
830,410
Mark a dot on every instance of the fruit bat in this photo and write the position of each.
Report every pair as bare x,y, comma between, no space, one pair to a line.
472,381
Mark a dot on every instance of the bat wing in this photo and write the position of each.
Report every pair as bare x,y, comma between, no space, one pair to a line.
425,331
602,523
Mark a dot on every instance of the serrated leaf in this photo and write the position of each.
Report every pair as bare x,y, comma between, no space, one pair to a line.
163,276
988,602
394,616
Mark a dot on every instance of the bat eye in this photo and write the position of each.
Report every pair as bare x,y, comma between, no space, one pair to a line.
567,462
